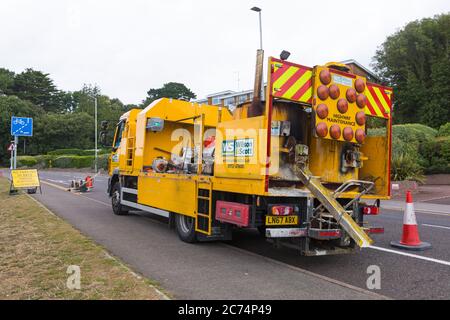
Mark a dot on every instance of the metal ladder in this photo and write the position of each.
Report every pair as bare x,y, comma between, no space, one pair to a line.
339,213
130,153
203,221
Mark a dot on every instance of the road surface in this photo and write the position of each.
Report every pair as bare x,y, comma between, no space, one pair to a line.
251,268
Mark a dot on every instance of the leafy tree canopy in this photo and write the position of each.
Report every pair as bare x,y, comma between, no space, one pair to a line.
6,81
416,62
173,90
38,88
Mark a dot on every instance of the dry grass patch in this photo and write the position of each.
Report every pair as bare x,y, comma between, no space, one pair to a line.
37,248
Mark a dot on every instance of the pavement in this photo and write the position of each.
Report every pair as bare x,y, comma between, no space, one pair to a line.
248,267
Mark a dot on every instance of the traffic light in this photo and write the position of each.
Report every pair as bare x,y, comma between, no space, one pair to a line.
103,132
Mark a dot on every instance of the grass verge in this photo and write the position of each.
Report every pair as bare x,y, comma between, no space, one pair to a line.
37,248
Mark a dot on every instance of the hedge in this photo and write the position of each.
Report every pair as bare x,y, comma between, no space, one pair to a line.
71,161
436,155
418,149
65,161
27,161
444,130
78,152
59,152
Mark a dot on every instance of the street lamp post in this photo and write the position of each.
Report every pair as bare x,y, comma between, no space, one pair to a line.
95,165
257,9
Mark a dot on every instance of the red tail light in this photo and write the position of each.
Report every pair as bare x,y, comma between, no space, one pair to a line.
371,210
282,210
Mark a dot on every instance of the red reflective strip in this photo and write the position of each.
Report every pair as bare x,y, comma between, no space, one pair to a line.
329,233
376,230
377,101
285,87
370,107
302,91
386,98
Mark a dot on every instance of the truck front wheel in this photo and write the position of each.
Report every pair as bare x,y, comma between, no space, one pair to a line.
185,227
117,207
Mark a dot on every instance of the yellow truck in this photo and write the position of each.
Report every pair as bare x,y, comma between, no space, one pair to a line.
300,164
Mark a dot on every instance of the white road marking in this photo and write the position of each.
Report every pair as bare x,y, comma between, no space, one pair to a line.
56,181
433,212
446,263
435,226
438,198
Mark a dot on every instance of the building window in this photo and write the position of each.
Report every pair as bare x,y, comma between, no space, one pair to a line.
228,102
215,101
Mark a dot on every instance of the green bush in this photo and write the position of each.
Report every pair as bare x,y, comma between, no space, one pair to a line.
436,155
405,167
78,152
44,161
71,161
416,149
59,152
26,161
444,130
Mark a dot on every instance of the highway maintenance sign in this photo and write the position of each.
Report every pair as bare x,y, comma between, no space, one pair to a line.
21,126
25,179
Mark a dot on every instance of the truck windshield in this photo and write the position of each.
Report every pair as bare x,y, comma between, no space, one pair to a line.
119,131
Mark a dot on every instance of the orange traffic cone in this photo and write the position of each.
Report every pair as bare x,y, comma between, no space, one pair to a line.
89,183
410,237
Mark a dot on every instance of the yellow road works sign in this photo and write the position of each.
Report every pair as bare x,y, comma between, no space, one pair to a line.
25,178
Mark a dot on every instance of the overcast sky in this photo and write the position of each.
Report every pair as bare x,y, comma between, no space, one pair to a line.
127,47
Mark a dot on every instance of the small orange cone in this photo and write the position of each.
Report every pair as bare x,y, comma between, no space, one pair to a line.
89,183
410,237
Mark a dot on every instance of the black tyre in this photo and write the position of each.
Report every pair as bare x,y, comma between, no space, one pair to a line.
117,207
262,231
185,227
32,190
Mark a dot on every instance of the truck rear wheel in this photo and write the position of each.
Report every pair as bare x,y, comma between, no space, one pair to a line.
117,207
185,227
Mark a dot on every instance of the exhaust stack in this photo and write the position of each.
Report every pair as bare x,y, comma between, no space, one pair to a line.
256,108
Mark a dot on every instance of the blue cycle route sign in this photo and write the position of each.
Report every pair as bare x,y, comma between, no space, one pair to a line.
22,126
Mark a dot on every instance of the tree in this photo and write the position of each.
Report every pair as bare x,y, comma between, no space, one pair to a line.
6,81
61,131
38,88
13,106
173,90
416,62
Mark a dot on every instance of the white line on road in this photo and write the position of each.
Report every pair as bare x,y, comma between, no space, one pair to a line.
432,199
446,263
433,212
435,226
